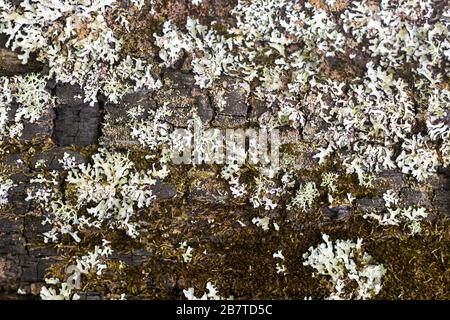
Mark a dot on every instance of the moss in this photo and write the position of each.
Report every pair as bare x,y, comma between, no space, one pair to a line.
240,259
417,268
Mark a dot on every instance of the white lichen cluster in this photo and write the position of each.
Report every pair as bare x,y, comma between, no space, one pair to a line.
232,174
379,112
304,197
5,185
379,117
22,98
352,273
266,193
153,131
94,261
68,162
410,217
329,180
106,193
263,223
402,31
74,38
438,115
371,120
280,267
212,294
58,291
187,252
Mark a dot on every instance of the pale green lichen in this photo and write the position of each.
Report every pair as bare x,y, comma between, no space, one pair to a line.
352,272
